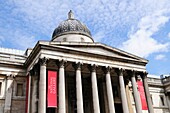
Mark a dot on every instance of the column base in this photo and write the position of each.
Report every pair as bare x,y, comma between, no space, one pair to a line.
7,110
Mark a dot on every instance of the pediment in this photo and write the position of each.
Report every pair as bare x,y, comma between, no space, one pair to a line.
101,50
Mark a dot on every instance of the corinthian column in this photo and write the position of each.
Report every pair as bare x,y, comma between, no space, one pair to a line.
136,94
62,105
34,94
147,94
123,93
42,87
79,89
109,92
96,106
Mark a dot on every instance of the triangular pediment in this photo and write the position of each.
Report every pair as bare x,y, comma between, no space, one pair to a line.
101,50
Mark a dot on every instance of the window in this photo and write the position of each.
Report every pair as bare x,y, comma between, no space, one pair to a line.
19,89
162,100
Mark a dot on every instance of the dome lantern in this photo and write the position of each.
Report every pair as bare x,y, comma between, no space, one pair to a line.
70,15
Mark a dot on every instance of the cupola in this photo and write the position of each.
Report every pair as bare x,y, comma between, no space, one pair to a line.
72,30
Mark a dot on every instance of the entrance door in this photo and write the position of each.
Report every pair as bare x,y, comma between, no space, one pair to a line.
50,110
118,108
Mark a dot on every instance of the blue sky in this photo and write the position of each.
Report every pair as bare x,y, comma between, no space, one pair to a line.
141,27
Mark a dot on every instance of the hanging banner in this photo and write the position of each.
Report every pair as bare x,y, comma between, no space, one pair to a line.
142,95
52,89
27,93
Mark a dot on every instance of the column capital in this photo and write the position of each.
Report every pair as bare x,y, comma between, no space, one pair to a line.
120,71
34,70
92,67
77,65
43,61
10,76
107,69
144,75
60,63
133,73
166,93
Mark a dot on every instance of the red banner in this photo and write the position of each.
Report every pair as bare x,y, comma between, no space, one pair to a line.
27,91
52,89
142,95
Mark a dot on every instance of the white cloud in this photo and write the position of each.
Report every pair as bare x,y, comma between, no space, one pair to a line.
1,39
141,42
98,36
160,57
169,34
22,40
99,15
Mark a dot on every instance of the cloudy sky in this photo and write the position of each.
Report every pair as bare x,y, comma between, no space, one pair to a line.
141,27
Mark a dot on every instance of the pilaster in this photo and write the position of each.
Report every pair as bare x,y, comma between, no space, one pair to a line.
8,97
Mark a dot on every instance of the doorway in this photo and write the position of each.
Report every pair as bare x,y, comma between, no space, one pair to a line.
118,108
51,110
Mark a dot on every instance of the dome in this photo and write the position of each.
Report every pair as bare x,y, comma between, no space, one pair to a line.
72,30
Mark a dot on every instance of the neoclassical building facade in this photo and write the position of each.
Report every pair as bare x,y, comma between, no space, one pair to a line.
73,74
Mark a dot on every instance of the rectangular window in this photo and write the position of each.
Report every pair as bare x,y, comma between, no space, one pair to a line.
19,89
162,100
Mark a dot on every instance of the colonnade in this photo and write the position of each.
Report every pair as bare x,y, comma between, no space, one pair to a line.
95,96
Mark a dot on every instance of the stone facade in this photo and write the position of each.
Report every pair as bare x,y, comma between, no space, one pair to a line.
12,75
159,90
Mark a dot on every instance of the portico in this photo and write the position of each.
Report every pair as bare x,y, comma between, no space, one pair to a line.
72,90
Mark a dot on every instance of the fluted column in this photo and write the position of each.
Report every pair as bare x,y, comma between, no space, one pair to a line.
123,93
62,96
109,92
147,94
79,89
42,87
136,94
96,106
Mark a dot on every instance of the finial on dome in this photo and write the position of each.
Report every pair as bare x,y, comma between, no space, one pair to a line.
70,15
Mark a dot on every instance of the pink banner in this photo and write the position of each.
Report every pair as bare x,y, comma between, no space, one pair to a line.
52,89
27,91
142,95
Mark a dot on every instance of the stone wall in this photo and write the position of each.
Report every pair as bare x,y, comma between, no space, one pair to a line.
18,106
2,104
